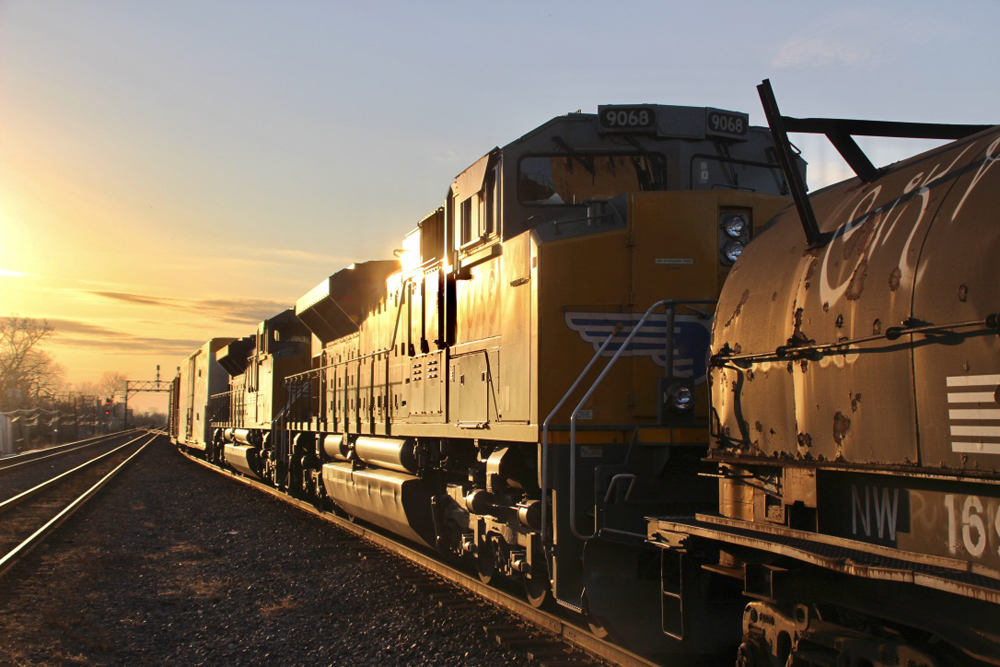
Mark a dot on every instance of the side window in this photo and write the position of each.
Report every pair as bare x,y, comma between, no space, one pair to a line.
469,223
491,214
432,236
479,213
566,180
473,204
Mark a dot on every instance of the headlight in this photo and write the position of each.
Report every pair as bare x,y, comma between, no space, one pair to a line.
682,398
734,225
732,251
677,401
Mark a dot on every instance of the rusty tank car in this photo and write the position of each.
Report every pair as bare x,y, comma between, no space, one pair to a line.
855,382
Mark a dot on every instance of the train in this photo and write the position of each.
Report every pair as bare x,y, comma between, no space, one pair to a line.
854,427
612,371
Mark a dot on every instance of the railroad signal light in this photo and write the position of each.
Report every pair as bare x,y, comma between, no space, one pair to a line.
107,413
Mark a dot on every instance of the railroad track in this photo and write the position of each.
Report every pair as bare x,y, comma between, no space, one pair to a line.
542,636
30,516
35,455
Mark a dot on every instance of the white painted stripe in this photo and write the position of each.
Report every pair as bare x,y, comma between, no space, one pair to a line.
974,414
988,431
971,397
972,380
976,447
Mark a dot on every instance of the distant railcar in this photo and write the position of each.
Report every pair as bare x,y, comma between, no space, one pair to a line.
856,431
199,377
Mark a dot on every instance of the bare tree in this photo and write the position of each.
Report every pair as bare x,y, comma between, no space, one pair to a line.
112,384
87,389
88,393
28,374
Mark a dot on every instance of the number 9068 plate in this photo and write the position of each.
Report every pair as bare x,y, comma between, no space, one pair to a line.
726,123
635,118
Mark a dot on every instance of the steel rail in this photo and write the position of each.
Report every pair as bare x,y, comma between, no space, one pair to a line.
545,621
14,556
41,454
13,460
25,495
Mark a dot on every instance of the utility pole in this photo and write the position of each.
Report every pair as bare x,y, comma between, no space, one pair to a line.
136,386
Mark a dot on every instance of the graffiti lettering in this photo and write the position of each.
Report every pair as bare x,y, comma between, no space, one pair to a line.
885,219
991,156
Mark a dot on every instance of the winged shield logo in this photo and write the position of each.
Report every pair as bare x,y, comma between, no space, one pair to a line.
691,338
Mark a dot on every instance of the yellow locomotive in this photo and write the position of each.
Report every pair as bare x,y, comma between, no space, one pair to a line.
525,382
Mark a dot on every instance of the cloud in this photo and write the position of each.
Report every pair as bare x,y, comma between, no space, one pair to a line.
76,327
84,334
137,298
857,36
241,310
238,311
283,255
264,256
820,51
845,37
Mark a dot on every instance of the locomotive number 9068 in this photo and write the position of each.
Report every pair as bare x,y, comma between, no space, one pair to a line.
727,123
627,118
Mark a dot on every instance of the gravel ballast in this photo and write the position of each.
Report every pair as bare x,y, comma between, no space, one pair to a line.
175,563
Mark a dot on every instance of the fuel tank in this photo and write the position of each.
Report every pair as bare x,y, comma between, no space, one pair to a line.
244,459
392,453
396,501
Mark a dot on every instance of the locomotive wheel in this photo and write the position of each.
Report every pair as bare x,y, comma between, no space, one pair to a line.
750,654
296,480
536,589
317,502
599,630
595,624
486,564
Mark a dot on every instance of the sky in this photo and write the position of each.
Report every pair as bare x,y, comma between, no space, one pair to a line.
177,170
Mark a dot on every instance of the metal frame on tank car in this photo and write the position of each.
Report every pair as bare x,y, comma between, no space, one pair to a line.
855,427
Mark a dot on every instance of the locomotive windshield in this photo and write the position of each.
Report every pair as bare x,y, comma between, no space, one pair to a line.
574,179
